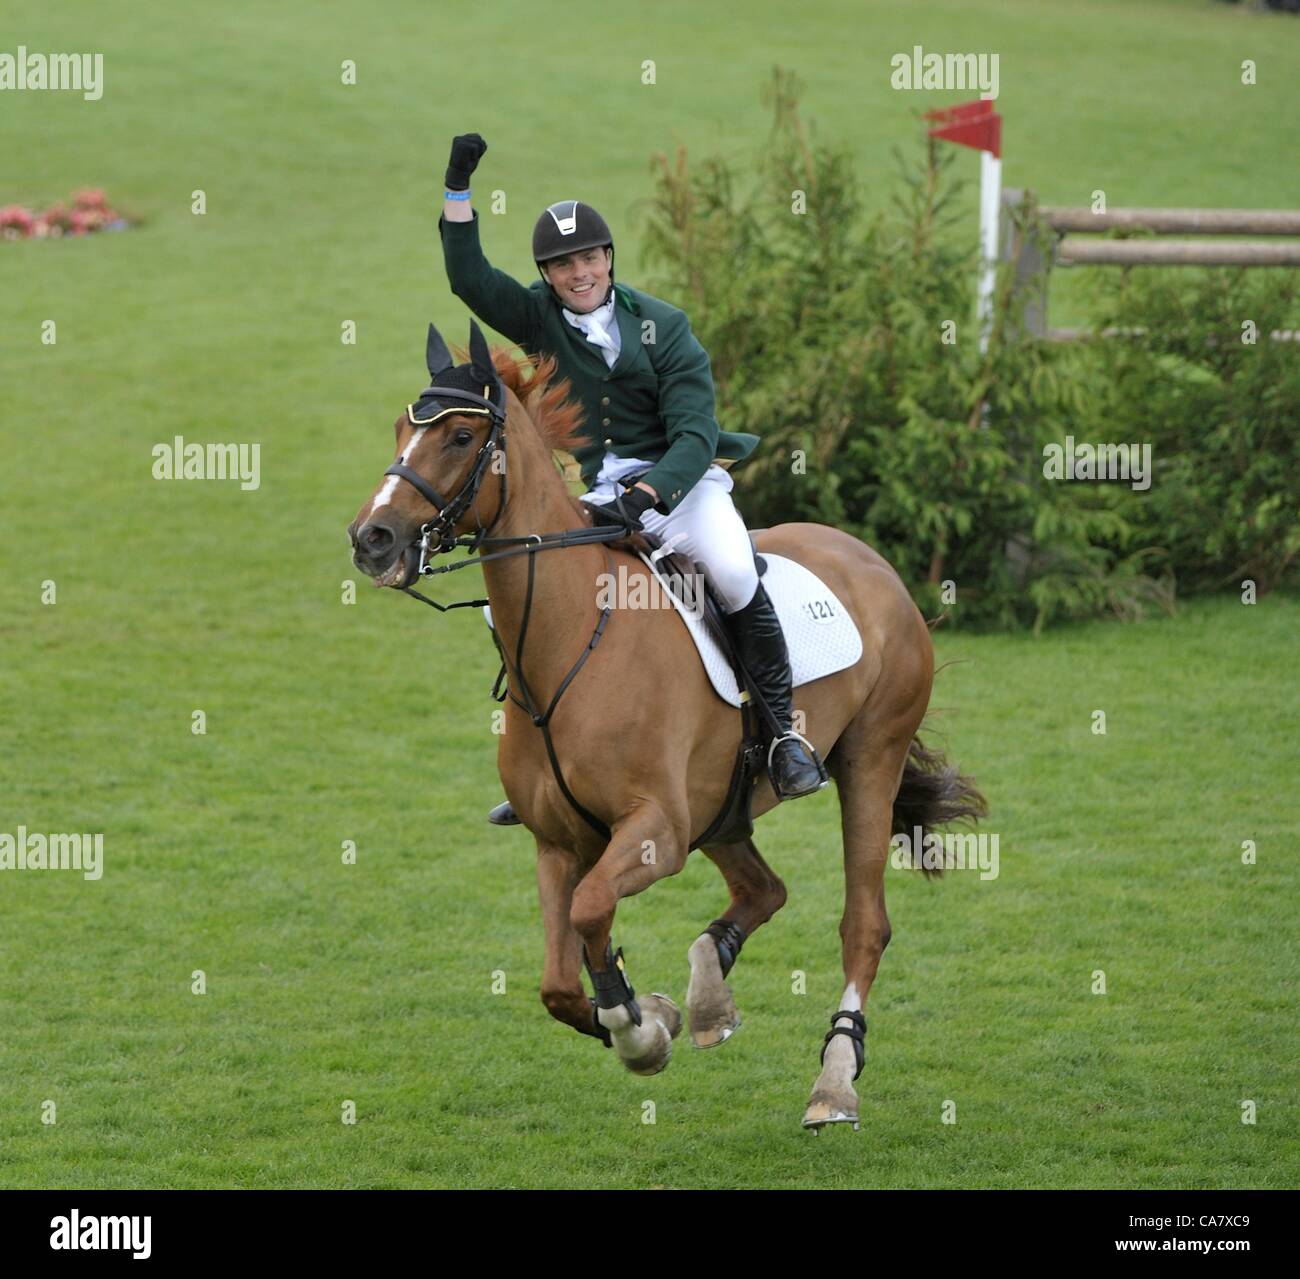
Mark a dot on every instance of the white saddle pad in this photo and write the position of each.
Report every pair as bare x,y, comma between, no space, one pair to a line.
820,634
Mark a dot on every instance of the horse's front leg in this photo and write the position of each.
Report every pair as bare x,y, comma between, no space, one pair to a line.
645,846
562,991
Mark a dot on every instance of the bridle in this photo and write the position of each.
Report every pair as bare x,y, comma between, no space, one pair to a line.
442,526
438,537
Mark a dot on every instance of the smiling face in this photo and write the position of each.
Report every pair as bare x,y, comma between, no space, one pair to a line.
580,280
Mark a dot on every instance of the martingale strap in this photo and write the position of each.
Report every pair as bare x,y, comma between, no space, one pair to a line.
438,537
542,719
530,546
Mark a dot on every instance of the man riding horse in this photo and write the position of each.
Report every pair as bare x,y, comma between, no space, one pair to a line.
642,375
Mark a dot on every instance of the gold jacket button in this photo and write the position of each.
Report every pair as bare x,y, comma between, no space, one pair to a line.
604,421
609,441
605,401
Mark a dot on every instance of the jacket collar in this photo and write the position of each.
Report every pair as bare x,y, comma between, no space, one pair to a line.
628,314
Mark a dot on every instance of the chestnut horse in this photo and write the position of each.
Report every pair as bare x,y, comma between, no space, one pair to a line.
640,739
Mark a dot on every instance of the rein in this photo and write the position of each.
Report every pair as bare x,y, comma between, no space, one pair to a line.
437,537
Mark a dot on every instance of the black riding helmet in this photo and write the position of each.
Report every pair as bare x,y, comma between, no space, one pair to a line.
570,227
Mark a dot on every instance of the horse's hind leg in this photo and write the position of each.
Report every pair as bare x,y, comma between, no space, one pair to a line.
867,776
757,893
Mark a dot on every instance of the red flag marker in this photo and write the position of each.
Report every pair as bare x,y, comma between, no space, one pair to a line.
977,125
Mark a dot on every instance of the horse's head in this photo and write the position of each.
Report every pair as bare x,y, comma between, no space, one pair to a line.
443,482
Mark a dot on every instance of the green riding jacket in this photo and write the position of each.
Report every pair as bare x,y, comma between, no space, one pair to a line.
656,402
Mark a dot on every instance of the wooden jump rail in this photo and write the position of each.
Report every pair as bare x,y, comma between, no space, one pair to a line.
1176,221
1075,252
1034,259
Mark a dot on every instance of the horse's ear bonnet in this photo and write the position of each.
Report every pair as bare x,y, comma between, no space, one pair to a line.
436,355
466,388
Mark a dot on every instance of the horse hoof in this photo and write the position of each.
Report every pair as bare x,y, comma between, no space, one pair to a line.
712,1036
709,1005
831,1110
666,1011
665,1014
652,1064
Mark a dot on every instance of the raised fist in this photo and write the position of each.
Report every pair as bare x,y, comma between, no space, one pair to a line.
466,151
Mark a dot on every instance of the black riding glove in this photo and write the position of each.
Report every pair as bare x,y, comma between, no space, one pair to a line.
624,511
466,151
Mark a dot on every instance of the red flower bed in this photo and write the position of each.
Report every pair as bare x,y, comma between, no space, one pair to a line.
89,211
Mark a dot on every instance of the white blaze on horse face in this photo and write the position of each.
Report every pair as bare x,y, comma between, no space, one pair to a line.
391,482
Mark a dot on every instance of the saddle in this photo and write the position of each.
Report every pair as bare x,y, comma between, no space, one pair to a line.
826,641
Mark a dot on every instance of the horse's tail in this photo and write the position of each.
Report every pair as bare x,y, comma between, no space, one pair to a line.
933,793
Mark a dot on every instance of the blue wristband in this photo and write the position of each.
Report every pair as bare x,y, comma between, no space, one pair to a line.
457,195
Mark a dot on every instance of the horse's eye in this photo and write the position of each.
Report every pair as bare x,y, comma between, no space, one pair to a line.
461,438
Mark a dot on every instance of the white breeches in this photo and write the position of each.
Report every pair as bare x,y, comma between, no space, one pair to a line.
705,526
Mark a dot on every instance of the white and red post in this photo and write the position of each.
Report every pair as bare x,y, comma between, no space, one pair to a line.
976,124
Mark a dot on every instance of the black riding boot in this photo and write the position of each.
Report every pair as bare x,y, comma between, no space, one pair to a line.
504,815
755,630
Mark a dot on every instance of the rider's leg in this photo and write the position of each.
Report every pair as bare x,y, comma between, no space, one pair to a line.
707,528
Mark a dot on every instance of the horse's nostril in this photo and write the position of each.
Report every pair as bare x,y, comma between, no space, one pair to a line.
375,538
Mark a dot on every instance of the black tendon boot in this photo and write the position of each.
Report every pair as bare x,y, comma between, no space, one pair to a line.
792,763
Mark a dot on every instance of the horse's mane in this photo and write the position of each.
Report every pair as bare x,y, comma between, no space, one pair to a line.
558,419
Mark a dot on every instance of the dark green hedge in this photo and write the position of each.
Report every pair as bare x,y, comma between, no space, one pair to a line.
847,341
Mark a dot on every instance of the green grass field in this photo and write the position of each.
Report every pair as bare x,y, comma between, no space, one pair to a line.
371,722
